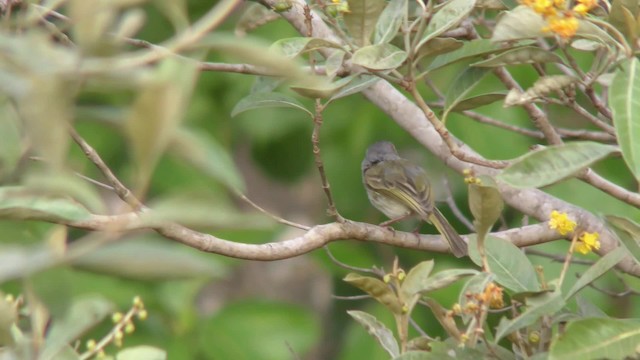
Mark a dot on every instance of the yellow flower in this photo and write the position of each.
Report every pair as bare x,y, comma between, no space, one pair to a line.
493,295
565,27
561,222
588,242
544,7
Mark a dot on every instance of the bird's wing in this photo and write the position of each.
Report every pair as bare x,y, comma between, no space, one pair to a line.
404,181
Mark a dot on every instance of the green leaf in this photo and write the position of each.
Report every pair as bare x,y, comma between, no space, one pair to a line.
624,98
597,338
362,19
511,267
461,87
628,232
523,55
554,163
470,49
141,352
263,100
389,22
519,23
448,16
334,62
598,269
21,203
206,154
378,330
258,330
293,47
545,304
486,204
150,259
377,289
415,278
444,278
65,185
586,309
474,102
438,46
379,57
321,87
157,111
84,313
356,85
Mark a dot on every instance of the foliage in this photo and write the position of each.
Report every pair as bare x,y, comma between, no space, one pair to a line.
135,135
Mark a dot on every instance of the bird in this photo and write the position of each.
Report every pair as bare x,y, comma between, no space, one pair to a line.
401,189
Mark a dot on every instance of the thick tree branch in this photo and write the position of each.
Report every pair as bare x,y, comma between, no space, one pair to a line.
315,238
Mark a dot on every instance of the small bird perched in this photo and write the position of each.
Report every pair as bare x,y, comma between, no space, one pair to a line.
401,189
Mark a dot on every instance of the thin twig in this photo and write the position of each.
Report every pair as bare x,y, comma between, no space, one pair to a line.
446,136
122,191
556,258
454,207
350,267
273,216
354,297
567,259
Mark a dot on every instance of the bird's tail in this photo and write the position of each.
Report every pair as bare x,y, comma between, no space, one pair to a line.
457,245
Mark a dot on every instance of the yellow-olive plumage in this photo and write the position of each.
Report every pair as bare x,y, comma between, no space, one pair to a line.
401,189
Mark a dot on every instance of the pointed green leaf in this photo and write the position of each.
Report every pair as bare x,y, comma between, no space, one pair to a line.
320,87
157,112
18,202
448,16
334,62
545,304
485,203
378,330
554,163
356,85
438,46
598,269
523,55
477,101
624,97
293,47
597,338
511,267
379,57
377,289
470,49
461,87
628,232
416,277
362,19
205,153
389,22
586,309
262,100
519,23
444,278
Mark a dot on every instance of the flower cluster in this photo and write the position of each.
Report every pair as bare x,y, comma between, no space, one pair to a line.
561,223
561,19
123,324
586,242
